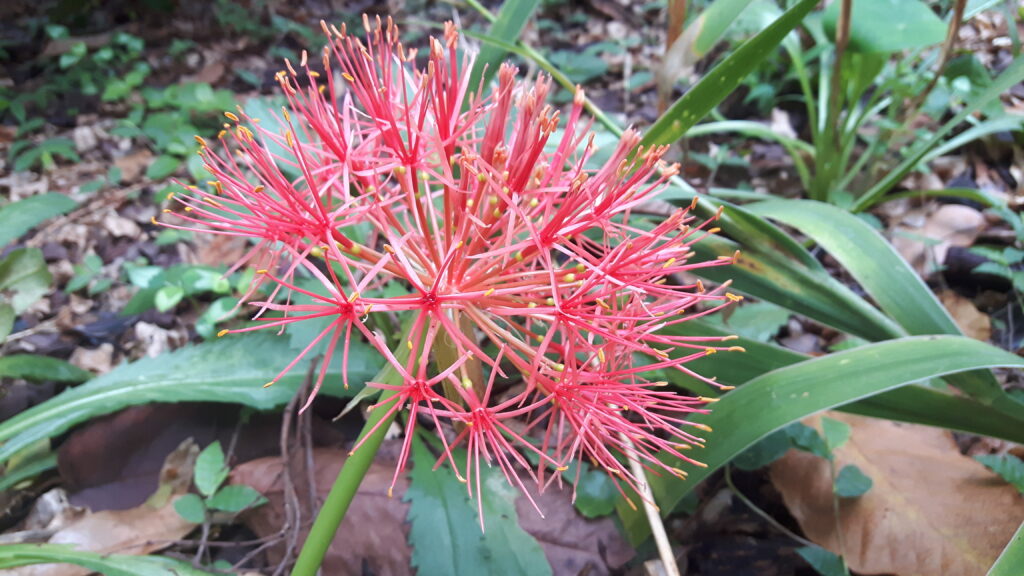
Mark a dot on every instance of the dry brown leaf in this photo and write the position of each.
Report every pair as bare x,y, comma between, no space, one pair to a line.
152,526
374,533
930,511
924,238
134,165
971,321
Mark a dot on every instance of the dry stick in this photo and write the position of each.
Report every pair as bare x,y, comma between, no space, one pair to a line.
676,20
947,48
668,558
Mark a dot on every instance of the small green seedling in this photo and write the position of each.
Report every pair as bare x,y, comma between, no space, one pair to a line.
210,473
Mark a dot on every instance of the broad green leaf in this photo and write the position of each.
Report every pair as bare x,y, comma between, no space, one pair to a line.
778,398
758,321
883,274
19,217
836,433
764,452
724,78
210,471
6,320
14,555
808,439
913,404
712,23
231,369
873,262
851,482
824,562
235,498
168,297
23,273
445,529
1012,75
27,470
41,368
1011,560
1008,466
888,25
507,27
191,508
596,494
162,167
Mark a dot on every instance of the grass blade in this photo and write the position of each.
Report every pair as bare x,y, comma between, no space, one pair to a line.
1011,561
724,78
511,20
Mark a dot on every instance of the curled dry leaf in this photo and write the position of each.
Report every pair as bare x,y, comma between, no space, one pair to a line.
924,238
930,511
152,526
972,322
374,533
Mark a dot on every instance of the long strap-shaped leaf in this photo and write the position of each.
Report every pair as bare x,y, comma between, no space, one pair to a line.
913,404
1011,561
886,276
783,396
507,27
14,555
723,79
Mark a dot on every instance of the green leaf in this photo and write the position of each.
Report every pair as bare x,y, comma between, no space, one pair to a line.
23,272
712,23
26,470
191,508
913,404
6,320
824,562
211,470
511,20
168,297
883,274
596,494
764,452
888,25
41,368
786,395
1008,466
836,433
162,167
807,439
759,321
1012,75
445,530
235,498
19,217
231,369
851,482
14,555
723,79
1011,560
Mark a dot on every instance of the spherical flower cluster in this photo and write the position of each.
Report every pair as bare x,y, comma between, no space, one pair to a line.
509,256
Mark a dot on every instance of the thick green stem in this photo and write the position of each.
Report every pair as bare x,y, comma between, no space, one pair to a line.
345,486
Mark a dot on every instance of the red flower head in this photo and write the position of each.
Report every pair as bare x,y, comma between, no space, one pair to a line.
510,253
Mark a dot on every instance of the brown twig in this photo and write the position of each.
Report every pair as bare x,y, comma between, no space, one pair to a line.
952,33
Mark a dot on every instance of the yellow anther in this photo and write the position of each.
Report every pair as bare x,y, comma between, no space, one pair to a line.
268,384
600,354
733,297
409,344
561,468
559,367
261,271
703,427
534,202
707,399
289,139
481,177
670,262
152,220
222,333
389,249
709,351
258,189
199,139
736,349
493,200
570,277
316,252
469,203
531,305
489,292
519,256
348,77
188,208
355,249
496,213
222,134
167,210
466,382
